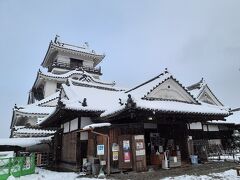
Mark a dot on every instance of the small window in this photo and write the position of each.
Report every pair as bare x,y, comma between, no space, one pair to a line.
59,85
66,127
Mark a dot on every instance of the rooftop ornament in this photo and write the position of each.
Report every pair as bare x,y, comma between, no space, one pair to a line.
84,103
130,103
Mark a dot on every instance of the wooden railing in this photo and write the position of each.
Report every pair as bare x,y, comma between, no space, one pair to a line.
72,67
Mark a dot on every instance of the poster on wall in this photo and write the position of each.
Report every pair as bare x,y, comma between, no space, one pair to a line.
115,147
140,152
100,149
126,156
115,155
126,145
139,145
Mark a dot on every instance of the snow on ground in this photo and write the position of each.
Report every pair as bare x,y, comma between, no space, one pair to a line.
42,174
227,175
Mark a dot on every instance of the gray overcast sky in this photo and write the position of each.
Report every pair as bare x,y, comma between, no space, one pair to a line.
193,39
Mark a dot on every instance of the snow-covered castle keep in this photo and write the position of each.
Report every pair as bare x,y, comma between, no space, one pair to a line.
62,61
70,101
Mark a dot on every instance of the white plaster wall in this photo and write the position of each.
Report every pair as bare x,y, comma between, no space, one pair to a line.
66,127
88,63
175,92
205,128
209,97
63,59
49,88
74,124
84,136
213,128
196,125
85,121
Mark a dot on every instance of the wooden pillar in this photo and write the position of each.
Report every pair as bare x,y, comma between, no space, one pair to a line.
78,145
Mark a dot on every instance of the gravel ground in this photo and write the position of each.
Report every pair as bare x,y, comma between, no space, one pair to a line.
197,170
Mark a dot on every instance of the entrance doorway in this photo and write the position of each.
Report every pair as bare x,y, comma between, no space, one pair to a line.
170,139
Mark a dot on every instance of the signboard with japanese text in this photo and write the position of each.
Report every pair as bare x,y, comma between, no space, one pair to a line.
100,149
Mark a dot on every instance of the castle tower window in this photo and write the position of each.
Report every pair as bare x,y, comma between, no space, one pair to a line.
75,63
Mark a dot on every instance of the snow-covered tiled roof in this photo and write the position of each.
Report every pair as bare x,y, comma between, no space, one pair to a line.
76,74
72,49
90,96
97,99
39,107
34,131
180,107
108,101
23,142
83,49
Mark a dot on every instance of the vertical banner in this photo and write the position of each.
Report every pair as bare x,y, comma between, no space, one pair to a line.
126,151
126,156
115,150
115,156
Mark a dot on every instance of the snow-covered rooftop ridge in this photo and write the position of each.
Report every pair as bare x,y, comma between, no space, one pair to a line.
142,90
85,82
97,125
196,89
201,87
83,48
23,142
197,85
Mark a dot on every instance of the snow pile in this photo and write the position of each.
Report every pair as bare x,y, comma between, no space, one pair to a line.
227,175
42,174
22,142
92,126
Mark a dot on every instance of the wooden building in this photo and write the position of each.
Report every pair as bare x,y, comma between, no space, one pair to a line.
146,120
154,117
